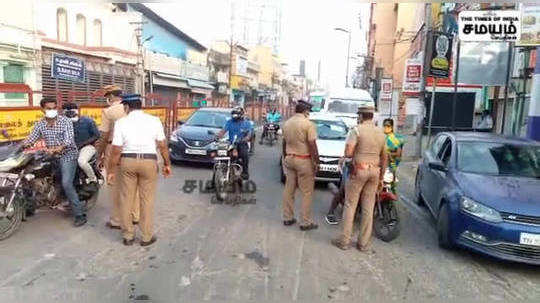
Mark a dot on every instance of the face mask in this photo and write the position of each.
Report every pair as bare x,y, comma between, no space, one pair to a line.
51,113
75,119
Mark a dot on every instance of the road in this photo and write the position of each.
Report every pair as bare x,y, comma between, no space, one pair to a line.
220,252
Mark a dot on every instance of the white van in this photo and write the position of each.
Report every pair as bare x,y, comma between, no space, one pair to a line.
344,104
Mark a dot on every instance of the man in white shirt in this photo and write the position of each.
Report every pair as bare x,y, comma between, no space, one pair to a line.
135,142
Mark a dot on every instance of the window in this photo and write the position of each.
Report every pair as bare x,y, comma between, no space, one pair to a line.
98,30
81,29
61,25
446,152
13,73
436,147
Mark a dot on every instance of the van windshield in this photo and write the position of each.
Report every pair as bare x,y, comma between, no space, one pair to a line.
344,106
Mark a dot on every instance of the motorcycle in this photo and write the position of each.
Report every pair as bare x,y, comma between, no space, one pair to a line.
386,222
28,182
227,180
271,133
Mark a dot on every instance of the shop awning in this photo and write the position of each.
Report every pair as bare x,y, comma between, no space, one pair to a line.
199,84
170,80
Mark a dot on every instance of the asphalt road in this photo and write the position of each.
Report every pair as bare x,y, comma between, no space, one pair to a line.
224,253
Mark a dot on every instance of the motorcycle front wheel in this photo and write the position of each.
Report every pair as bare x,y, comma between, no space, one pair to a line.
386,225
12,221
219,186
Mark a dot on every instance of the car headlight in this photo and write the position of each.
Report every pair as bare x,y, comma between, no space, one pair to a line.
478,210
174,137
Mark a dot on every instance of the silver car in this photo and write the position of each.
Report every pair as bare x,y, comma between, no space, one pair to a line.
331,137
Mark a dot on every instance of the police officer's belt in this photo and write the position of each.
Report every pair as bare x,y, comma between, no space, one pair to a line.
140,156
363,165
300,156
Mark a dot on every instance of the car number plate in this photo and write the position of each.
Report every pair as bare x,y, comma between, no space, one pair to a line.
196,151
529,239
328,167
221,152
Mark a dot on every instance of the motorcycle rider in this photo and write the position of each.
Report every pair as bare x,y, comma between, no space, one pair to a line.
57,132
241,129
86,135
272,117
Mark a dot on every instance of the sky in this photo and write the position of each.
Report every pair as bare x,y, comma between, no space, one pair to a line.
307,31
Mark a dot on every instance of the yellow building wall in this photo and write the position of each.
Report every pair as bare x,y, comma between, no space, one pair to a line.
384,18
263,56
406,23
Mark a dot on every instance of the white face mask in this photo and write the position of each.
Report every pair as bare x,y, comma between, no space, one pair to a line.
51,113
75,119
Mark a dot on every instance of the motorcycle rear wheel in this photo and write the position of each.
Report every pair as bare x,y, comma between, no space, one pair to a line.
386,225
14,222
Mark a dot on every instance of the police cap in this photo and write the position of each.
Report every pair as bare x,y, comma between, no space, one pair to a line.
302,105
130,98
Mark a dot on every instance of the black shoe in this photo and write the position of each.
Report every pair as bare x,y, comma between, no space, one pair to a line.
309,227
152,241
135,222
331,219
128,242
289,222
80,221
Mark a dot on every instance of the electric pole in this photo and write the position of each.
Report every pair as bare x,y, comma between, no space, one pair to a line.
140,57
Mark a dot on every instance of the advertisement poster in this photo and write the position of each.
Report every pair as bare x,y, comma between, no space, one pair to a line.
68,68
386,89
530,24
412,78
489,26
441,54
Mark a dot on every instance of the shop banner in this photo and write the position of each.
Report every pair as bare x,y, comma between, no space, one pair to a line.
182,114
92,112
67,68
412,78
160,112
386,89
477,26
17,124
530,24
440,55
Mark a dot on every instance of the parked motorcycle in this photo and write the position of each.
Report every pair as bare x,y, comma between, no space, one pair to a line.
29,181
227,181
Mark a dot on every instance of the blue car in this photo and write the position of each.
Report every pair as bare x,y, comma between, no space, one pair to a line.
484,191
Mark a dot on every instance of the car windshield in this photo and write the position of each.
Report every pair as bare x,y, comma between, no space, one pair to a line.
331,130
344,106
208,119
501,159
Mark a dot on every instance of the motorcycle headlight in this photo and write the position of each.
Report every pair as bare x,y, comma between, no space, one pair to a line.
478,210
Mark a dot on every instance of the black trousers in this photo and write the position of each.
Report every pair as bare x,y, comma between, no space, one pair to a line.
243,155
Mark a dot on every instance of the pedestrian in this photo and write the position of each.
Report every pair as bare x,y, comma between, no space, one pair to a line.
109,116
366,146
486,122
136,140
394,149
301,159
57,132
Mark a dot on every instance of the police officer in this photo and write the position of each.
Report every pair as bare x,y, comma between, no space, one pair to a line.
137,137
301,159
366,146
109,116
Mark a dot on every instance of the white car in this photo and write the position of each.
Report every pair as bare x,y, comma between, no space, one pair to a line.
344,103
331,136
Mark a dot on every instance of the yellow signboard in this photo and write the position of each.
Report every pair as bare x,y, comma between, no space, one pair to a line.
18,123
182,114
92,112
161,113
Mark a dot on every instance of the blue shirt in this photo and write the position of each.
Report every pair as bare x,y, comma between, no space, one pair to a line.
273,117
85,128
239,129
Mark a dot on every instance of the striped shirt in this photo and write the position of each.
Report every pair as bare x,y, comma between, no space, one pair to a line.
58,134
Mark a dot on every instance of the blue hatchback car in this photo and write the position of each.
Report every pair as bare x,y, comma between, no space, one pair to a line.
484,191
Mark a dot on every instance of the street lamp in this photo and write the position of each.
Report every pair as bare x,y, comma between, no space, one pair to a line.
348,53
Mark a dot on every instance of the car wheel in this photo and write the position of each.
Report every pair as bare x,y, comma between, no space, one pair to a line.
417,194
443,228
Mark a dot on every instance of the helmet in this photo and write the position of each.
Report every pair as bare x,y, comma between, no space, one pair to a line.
237,113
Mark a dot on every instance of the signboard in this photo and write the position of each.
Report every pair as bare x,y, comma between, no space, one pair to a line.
412,78
160,112
440,55
386,89
92,112
530,24
67,68
482,26
18,123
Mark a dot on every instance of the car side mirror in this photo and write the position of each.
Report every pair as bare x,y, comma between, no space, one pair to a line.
438,166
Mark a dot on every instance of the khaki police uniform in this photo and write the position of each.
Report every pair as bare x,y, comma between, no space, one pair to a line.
109,116
300,172
369,142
